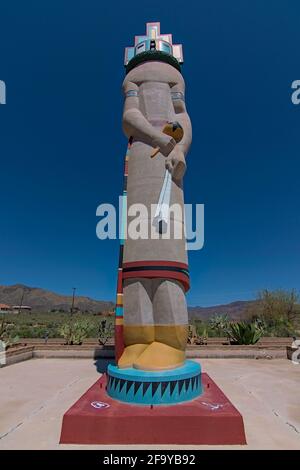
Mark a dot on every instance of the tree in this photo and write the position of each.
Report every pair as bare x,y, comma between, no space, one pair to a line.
279,305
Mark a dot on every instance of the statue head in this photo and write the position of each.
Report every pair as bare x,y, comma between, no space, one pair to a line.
153,46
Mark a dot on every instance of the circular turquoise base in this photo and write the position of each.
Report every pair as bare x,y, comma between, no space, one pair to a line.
166,387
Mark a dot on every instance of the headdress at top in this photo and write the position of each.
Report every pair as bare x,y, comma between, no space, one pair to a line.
153,46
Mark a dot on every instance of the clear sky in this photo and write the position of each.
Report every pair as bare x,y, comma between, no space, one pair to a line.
62,147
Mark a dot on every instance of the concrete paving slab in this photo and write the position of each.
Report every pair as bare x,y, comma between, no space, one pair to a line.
35,394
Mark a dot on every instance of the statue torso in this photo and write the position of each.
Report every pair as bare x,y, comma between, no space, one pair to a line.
145,175
155,101
155,80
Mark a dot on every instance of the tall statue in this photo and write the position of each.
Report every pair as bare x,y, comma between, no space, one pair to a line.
151,319
155,273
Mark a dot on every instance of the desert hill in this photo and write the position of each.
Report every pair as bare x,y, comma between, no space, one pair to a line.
42,301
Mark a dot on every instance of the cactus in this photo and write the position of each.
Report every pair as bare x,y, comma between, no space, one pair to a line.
6,335
75,331
219,323
105,331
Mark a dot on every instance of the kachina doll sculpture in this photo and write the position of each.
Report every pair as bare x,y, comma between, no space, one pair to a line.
151,315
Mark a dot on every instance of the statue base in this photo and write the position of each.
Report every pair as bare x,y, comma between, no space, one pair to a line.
96,418
166,387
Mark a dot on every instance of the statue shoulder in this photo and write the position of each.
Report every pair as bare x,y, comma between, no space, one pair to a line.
129,88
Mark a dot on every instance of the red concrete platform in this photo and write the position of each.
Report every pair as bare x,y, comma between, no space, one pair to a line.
209,419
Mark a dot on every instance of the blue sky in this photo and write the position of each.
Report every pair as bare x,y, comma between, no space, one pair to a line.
62,147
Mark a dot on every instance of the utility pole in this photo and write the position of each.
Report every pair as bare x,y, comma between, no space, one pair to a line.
21,303
73,299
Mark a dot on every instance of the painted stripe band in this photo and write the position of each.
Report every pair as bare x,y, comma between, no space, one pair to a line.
158,269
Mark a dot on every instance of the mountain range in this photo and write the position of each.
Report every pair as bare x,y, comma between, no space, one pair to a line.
43,301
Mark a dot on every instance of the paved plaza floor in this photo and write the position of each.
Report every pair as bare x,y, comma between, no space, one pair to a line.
35,394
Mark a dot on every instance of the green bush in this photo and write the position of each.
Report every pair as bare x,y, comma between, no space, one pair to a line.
244,333
281,329
35,325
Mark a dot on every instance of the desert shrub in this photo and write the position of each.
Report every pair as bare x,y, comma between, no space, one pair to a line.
37,324
7,333
75,331
279,305
219,324
281,328
105,331
278,310
198,325
244,333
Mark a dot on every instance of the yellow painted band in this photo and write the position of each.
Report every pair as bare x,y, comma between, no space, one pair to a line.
171,335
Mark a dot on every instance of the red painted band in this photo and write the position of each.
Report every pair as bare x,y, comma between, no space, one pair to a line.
183,278
120,283
175,264
119,341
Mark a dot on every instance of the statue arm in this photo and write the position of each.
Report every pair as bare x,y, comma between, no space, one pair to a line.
136,125
182,117
175,161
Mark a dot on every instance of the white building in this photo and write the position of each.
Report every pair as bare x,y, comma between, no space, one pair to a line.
21,308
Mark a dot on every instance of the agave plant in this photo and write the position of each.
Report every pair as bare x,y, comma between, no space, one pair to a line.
244,333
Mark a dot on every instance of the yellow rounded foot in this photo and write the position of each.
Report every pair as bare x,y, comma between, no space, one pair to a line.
160,356
131,354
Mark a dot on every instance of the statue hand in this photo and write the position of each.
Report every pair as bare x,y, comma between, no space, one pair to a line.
165,143
175,163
